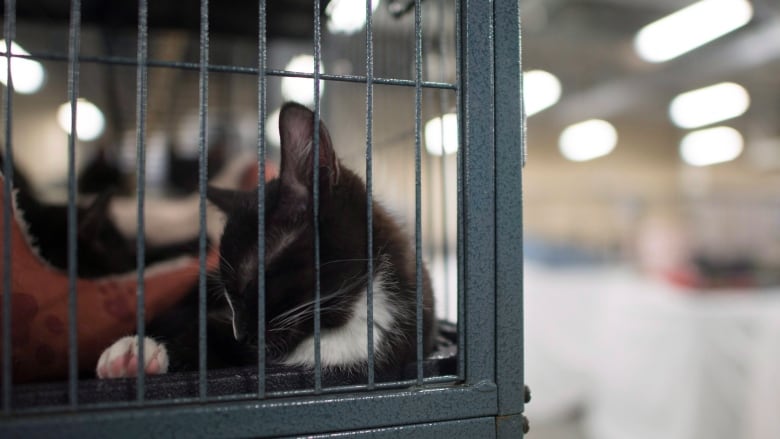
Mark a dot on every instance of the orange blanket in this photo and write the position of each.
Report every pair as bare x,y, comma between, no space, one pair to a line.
106,308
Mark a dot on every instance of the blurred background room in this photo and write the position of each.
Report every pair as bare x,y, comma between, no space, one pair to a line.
652,218
651,191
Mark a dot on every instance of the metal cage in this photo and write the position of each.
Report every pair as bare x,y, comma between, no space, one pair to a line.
484,397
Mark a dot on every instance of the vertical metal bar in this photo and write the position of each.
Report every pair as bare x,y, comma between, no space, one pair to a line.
140,114
510,140
8,173
478,188
73,93
261,115
417,183
202,176
316,193
459,176
369,191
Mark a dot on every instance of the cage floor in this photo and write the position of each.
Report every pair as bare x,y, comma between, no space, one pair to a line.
233,381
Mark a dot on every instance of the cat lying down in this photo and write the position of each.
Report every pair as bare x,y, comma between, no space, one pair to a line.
172,339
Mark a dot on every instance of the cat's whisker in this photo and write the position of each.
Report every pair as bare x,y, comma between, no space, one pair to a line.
292,320
294,315
378,261
344,260
220,317
297,318
214,282
226,264
301,312
214,291
305,304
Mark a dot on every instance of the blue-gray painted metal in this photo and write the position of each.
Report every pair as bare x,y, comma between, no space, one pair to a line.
316,192
418,183
142,93
269,418
221,68
8,174
203,88
490,281
261,115
461,282
478,165
466,429
510,140
74,41
509,427
436,381
370,193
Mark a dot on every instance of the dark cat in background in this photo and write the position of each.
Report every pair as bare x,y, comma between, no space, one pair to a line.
101,248
172,342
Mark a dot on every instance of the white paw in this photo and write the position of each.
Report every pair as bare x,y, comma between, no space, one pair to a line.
121,358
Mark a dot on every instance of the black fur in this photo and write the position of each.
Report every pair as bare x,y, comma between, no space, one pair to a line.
290,272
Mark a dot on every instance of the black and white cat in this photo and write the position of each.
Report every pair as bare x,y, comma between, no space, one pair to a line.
172,344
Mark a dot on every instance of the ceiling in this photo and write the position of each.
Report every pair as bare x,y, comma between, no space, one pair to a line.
588,45
289,18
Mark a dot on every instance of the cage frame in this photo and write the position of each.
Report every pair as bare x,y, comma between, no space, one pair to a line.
488,401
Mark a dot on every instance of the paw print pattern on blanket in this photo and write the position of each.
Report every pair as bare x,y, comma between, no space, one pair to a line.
39,307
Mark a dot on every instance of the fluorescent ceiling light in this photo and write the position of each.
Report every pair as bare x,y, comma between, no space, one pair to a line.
540,90
272,129
347,16
301,90
441,135
28,75
90,122
587,140
708,105
690,28
711,146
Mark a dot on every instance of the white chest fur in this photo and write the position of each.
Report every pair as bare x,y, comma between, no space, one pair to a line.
347,345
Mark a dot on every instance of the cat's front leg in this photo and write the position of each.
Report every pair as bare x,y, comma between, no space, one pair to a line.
121,358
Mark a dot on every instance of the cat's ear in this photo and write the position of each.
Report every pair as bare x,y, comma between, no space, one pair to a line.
227,200
296,129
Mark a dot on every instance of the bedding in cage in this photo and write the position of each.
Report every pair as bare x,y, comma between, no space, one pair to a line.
106,311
